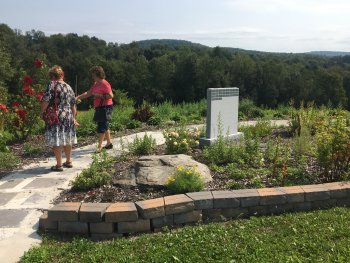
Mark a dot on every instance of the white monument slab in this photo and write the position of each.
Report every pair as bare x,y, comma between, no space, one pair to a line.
222,115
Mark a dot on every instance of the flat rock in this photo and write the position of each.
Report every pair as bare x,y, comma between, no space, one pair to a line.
155,169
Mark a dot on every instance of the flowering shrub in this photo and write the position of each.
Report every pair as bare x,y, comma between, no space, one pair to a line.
24,115
333,146
3,111
180,140
185,180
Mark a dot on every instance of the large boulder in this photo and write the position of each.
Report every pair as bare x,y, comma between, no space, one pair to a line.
155,169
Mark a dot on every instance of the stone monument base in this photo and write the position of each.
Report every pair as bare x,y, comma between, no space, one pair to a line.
209,141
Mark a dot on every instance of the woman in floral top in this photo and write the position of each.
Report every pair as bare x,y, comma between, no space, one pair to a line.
60,136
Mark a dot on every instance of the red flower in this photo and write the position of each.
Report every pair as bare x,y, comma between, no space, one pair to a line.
28,80
28,90
40,95
38,63
15,104
22,114
3,107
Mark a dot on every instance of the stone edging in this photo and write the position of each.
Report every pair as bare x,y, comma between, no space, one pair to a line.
112,220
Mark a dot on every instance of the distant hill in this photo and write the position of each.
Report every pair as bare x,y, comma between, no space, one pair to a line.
178,42
329,53
167,42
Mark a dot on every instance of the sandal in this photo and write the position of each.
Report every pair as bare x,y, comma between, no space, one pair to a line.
68,164
56,168
109,146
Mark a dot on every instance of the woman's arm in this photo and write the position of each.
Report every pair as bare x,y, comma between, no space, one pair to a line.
74,112
84,95
44,106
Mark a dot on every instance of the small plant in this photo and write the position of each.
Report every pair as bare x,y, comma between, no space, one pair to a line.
8,160
143,113
133,124
180,140
5,137
30,148
185,180
96,175
86,125
262,128
144,146
154,121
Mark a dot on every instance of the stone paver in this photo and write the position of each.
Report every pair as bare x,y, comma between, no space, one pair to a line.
5,197
11,184
44,183
12,218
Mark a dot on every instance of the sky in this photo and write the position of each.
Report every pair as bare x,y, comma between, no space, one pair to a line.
265,25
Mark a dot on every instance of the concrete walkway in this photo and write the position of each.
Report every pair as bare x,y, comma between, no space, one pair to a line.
26,193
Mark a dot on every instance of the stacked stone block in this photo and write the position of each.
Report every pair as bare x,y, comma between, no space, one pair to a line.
113,220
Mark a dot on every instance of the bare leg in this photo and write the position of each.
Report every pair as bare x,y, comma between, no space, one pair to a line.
57,150
68,152
101,137
108,137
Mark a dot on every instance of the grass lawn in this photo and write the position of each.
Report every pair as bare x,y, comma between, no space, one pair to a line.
319,236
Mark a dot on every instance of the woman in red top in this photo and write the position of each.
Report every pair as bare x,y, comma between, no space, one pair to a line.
101,90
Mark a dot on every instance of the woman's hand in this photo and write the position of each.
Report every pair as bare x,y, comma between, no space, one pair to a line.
76,123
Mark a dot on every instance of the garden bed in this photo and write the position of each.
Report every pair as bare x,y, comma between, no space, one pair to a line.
222,178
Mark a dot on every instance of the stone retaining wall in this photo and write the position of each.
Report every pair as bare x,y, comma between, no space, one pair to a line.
111,220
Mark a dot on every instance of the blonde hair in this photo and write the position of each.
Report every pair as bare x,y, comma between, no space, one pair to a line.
56,72
98,72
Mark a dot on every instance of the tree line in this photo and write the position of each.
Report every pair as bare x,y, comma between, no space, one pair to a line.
160,71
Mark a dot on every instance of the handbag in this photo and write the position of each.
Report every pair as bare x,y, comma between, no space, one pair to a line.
102,113
50,116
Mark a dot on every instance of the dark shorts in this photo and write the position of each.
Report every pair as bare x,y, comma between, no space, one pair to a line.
102,127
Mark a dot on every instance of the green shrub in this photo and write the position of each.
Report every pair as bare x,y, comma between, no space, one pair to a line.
143,113
249,109
30,148
96,175
185,180
133,124
333,147
8,160
262,128
86,124
120,118
143,146
5,138
154,121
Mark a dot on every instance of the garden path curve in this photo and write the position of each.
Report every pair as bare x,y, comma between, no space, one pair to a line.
25,193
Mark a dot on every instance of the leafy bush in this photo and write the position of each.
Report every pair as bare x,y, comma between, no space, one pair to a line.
143,113
133,124
262,128
154,121
30,148
185,180
86,124
96,175
143,146
5,137
8,160
249,109
333,147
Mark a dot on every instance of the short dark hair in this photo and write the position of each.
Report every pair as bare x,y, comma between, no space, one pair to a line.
98,71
